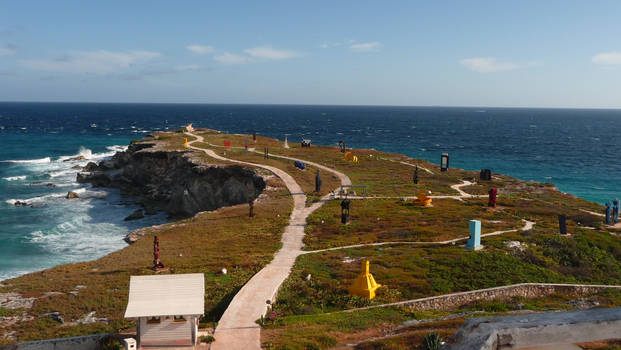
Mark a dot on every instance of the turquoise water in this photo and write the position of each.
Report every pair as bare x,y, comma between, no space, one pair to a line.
574,149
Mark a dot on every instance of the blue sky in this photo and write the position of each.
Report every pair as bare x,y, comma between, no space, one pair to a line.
449,53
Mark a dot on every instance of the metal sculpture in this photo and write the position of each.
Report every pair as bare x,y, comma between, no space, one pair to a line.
493,193
158,265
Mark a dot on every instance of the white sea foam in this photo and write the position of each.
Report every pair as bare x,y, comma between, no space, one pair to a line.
34,161
37,199
117,148
89,155
54,174
14,178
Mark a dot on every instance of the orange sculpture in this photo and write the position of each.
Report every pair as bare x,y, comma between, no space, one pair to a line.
423,200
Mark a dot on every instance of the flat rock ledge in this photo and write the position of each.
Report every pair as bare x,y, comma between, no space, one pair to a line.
551,328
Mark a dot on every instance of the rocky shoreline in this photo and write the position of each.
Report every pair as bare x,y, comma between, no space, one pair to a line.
172,181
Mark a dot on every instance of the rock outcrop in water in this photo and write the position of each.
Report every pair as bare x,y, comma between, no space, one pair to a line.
172,181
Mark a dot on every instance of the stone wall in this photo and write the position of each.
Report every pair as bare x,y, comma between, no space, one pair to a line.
527,290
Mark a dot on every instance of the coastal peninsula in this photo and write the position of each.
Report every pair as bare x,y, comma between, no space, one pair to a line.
415,252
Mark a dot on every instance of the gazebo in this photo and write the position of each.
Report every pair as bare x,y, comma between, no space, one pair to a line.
166,308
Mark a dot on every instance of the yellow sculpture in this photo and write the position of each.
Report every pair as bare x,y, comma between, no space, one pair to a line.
185,143
364,285
350,157
422,200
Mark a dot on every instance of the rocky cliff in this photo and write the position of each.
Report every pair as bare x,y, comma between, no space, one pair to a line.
173,181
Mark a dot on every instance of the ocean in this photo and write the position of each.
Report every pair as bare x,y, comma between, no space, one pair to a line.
572,148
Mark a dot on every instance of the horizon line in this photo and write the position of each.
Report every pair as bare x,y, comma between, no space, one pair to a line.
310,104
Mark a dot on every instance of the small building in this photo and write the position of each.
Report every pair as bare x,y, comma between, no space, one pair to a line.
166,308
306,143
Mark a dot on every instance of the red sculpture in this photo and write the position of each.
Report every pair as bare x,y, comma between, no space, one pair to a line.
492,197
157,264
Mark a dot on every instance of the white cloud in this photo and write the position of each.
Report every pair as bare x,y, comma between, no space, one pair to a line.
200,49
269,53
607,58
366,47
488,65
5,51
188,67
231,58
98,62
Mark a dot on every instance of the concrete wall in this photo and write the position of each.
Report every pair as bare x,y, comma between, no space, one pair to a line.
89,342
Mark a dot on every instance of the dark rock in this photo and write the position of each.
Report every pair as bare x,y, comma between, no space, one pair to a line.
77,167
135,215
171,181
56,316
149,210
20,204
97,179
108,165
50,185
71,195
90,167
73,159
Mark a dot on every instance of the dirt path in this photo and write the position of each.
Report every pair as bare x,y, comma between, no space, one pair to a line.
237,328
528,225
456,187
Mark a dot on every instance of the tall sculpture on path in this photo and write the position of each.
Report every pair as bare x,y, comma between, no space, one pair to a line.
416,175
158,265
615,211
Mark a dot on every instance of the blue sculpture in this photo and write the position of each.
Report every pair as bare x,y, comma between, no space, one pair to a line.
608,213
299,164
474,242
615,210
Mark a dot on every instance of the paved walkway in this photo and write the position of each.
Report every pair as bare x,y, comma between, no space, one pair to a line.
237,328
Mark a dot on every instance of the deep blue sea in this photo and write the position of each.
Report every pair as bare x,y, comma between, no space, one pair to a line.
574,149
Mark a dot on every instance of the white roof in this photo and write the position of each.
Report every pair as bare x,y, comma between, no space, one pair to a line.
166,295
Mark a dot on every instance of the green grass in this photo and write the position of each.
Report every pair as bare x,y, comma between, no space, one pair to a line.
376,220
413,272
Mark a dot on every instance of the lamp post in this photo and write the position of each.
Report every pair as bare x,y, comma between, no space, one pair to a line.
444,162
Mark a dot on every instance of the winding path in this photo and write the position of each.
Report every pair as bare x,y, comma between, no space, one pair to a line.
528,225
237,328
